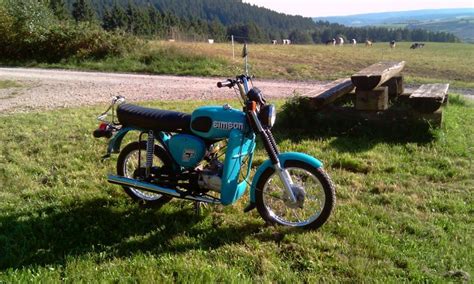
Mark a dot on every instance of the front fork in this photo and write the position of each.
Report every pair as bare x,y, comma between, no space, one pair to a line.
273,152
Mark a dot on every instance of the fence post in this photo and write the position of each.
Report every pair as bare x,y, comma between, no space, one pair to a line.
233,50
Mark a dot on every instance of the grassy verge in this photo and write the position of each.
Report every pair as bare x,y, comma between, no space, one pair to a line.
7,84
437,62
163,60
13,87
404,212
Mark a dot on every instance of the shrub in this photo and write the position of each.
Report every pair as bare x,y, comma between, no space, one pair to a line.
31,32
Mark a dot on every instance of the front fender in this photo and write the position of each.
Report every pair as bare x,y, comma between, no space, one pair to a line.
283,158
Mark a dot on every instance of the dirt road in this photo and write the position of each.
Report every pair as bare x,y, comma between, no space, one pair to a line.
45,89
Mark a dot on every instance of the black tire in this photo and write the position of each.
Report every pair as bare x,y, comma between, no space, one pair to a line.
143,197
328,190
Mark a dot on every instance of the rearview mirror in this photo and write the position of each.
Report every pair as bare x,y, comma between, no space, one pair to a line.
245,51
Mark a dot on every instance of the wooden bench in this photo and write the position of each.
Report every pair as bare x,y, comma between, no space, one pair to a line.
428,98
395,86
370,101
330,93
375,75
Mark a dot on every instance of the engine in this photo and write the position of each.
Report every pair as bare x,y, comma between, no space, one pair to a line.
210,177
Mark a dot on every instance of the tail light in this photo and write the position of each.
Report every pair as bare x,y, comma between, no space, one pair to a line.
104,130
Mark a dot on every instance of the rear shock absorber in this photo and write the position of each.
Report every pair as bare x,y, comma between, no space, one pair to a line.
150,146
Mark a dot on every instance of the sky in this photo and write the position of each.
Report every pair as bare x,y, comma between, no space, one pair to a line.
314,8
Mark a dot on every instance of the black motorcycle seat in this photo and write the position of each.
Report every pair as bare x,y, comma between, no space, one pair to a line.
153,119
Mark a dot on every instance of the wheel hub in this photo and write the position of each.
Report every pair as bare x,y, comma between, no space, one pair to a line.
299,193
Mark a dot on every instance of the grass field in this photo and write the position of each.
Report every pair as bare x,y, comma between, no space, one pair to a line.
404,211
437,62
6,84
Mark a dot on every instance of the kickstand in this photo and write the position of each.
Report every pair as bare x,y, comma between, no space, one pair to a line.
197,208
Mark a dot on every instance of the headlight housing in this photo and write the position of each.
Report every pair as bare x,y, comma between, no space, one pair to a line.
267,116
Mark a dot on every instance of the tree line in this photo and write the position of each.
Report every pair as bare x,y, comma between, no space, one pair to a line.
220,19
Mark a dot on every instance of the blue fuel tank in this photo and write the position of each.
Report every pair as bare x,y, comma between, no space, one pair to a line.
216,122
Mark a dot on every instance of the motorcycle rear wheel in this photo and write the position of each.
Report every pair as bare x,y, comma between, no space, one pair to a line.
127,166
313,188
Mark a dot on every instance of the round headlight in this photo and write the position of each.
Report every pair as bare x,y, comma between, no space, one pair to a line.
267,115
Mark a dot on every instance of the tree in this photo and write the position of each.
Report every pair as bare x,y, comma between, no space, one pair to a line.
155,21
108,20
316,36
300,37
119,17
217,30
138,20
59,9
82,11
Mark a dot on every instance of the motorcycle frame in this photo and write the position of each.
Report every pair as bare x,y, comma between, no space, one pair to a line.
240,146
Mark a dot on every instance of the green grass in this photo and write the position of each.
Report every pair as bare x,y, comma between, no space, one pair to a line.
13,87
404,212
7,84
437,62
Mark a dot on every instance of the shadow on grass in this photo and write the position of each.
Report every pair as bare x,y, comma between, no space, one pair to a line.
358,137
298,121
52,234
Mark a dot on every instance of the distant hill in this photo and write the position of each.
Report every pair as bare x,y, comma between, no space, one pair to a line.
457,21
228,12
223,19
463,28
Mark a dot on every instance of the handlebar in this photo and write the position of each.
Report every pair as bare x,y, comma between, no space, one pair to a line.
242,79
242,82
227,83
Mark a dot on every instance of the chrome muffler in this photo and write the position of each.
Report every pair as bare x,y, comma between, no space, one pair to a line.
157,189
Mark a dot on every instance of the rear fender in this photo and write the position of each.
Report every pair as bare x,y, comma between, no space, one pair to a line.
116,141
294,156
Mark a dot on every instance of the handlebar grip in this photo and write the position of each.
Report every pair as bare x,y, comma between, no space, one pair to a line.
226,83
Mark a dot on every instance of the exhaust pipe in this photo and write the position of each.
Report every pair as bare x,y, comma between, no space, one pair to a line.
156,189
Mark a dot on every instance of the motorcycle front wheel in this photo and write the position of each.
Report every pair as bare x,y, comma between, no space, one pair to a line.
128,166
312,187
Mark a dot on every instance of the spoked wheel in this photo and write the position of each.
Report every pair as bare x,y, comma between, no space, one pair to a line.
128,166
312,188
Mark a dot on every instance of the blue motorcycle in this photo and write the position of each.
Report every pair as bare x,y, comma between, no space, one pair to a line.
206,157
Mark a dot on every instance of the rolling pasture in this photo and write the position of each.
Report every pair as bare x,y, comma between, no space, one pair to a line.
437,62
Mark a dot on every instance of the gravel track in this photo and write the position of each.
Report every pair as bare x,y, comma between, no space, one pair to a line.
47,89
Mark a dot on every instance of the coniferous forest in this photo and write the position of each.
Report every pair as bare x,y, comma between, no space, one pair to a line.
219,19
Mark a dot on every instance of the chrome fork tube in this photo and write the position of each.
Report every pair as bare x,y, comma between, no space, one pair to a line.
286,180
273,152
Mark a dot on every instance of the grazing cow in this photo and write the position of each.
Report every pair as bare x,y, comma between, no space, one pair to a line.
417,45
392,44
340,41
331,42
286,41
274,41
353,41
368,43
